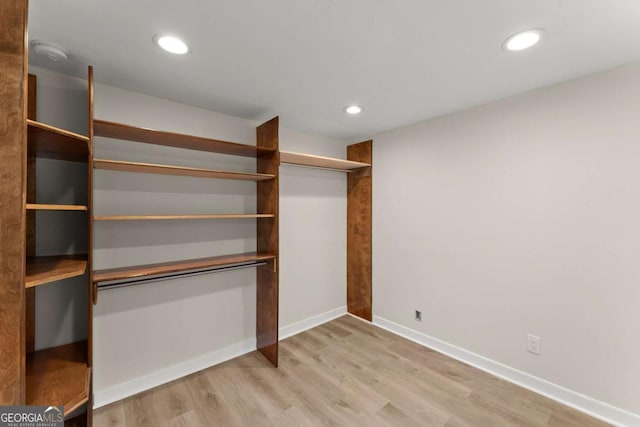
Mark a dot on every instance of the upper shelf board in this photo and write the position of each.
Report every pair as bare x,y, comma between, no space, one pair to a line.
55,143
170,139
321,162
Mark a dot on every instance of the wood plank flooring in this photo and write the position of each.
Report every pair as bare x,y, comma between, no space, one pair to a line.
343,373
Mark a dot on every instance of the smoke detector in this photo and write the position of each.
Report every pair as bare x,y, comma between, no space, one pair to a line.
50,51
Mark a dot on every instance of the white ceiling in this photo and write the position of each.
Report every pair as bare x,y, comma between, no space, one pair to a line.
304,60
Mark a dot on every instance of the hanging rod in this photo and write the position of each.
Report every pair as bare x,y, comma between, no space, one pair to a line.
122,283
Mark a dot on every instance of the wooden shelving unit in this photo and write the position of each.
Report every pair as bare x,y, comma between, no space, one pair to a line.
137,167
177,217
45,207
171,139
59,376
47,269
321,162
266,176
141,271
359,223
359,206
52,142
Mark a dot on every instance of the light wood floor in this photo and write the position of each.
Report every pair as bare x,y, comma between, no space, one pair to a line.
343,373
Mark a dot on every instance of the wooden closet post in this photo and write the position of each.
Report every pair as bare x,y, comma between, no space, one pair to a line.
30,293
267,276
13,188
92,291
359,232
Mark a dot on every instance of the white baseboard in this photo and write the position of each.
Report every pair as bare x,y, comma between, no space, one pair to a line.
171,373
311,322
179,370
580,402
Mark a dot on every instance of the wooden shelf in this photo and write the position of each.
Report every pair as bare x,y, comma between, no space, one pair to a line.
150,136
55,143
139,271
177,217
59,376
136,167
47,269
321,162
44,207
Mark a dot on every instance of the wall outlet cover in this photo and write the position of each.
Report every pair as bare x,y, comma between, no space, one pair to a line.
533,344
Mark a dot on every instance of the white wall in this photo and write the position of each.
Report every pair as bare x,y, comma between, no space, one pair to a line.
172,323
61,306
521,216
147,334
313,231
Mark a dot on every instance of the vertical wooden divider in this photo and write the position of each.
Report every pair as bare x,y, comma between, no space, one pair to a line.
267,242
92,290
359,192
30,293
13,189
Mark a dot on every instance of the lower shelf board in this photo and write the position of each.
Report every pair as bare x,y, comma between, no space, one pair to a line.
141,271
177,217
59,376
47,269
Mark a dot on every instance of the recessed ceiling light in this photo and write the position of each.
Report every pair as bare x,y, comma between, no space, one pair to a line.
523,40
171,44
353,109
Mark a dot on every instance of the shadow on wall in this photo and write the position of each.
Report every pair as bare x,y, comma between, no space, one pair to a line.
111,235
310,183
171,290
133,182
58,305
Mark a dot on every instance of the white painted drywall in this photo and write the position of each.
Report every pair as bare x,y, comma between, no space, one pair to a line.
142,330
61,306
521,216
313,231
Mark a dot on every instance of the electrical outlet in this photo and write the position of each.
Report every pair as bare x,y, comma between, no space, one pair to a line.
533,344
418,316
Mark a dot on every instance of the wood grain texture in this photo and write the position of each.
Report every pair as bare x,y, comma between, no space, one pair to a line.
46,207
30,294
13,188
140,271
359,192
137,167
177,217
54,143
343,373
32,97
92,292
59,376
150,136
30,319
47,269
321,162
267,234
